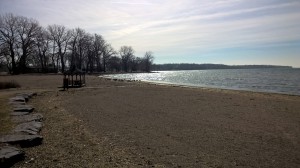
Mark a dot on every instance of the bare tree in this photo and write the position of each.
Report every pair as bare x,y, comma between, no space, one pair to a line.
114,63
8,38
43,47
5,59
98,46
23,42
61,36
108,52
73,47
27,31
137,64
84,42
148,61
127,56
90,58
81,47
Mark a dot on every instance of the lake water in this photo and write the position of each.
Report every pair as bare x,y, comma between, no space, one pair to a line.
286,81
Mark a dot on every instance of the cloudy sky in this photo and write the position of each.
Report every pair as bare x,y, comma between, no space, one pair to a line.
182,31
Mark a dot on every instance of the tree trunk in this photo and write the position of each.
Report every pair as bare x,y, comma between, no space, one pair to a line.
104,65
13,62
22,63
61,59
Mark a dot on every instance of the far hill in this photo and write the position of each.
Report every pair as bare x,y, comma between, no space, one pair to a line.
186,66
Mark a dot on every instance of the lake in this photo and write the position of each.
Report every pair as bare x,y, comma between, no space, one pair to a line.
273,80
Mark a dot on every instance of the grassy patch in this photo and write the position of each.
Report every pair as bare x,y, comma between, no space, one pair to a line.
6,124
7,85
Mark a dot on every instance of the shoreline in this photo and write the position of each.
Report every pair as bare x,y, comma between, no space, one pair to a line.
105,76
160,83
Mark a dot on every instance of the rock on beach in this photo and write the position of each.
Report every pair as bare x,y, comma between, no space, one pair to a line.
22,140
27,118
23,108
10,155
31,128
19,113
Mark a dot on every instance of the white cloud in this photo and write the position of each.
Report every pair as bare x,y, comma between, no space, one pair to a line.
202,32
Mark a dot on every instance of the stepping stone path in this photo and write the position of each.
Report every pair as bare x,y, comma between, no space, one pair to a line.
25,134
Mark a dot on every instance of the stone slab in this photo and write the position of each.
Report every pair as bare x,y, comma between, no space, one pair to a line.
22,140
16,103
10,155
27,118
17,99
32,128
25,96
31,94
19,113
24,108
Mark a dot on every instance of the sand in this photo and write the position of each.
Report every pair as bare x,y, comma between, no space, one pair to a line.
135,124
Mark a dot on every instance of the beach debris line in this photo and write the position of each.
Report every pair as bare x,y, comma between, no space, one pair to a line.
25,134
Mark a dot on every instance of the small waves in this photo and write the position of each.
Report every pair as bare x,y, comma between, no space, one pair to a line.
286,81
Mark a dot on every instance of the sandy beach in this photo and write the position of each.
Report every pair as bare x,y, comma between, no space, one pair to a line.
135,124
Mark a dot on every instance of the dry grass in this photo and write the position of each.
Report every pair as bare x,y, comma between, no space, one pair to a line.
10,84
5,122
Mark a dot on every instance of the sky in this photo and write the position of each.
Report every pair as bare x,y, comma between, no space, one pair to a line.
233,32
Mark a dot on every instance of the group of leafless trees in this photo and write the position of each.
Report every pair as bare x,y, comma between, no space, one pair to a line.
26,45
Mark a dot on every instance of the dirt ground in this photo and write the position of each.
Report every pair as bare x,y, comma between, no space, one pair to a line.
134,124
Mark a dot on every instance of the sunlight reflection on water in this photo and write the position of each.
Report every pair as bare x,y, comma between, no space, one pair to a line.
265,80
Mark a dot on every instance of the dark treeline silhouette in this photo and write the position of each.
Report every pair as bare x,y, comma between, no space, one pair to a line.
185,66
25,46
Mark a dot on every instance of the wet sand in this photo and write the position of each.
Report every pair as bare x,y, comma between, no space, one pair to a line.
165,126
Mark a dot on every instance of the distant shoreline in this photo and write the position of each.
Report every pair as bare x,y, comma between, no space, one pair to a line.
192,66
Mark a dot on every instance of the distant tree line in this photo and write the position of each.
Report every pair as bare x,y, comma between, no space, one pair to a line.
165,67
26,45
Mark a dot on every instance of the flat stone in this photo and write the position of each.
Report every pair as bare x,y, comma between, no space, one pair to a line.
17,99
27,118
10,155
19,113
24,108
16,103
25,96
31,128
31,94
22,140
